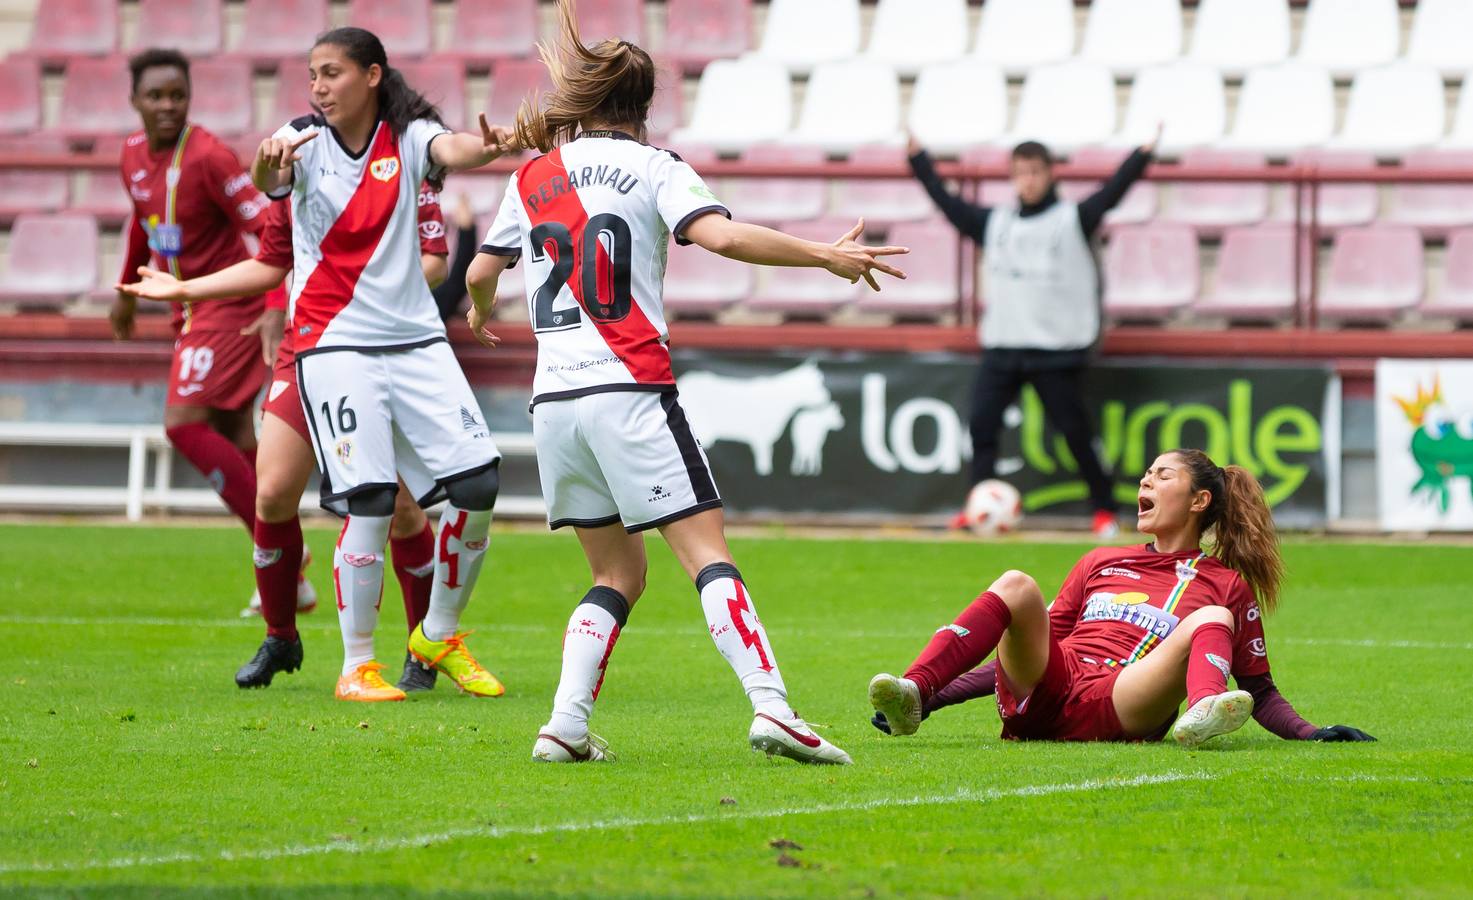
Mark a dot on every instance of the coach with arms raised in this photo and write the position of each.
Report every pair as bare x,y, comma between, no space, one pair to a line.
1041,282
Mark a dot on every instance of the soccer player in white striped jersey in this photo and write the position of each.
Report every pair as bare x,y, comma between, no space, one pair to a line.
382,392
615,454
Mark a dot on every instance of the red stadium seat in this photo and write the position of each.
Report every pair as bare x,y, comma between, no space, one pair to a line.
403,25
1139,203
52,260
221,97
193,27
699,31
102,197
1339,204
1434,208
485,32
619,20
882,200
1210,206
698,282
292,96
276,30
668,107
1151,271
67,28
807,293
1375,273
778,199
443,84
31,191
512,80
932,283
94,100
1255,275
1456,297
20,102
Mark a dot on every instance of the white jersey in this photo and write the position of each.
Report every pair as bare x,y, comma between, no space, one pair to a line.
357,280
592,219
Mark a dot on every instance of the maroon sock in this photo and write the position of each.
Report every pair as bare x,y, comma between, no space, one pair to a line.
278,564
1210,661
414,566
224,465
961,646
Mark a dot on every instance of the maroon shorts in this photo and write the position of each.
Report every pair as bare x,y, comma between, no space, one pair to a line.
216,369
282,399
1073,702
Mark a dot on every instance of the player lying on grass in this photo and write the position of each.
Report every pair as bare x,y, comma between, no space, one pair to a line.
284,459
614,450
1133,631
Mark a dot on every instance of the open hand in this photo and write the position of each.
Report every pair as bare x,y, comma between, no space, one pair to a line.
270,325
477,321
154,285
854,261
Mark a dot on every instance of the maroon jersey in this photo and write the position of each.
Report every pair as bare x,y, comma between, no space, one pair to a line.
191,204
1119,603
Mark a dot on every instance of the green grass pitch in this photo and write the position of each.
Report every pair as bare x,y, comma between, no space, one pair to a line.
131,765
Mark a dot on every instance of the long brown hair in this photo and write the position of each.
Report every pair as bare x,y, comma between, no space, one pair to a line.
612,82
1243,534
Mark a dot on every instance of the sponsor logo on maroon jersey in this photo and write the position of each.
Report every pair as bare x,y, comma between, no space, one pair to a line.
1257,648
1116,570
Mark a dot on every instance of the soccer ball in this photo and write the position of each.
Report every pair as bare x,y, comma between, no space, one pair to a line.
993,507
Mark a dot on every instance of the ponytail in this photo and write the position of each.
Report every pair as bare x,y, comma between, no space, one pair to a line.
1242,528
398,103
612,82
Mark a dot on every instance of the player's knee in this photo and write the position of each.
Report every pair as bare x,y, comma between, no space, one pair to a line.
409,519
1219,614
627,580
277,498
475,491
1014,586
372,501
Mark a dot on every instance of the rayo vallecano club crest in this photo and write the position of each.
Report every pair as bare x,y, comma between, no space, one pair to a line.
384,169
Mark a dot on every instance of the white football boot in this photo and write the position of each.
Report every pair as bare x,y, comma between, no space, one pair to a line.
306,593
899,699
1211,716
794,739
553,748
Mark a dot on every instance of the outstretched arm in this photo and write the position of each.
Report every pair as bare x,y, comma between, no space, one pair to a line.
1092,209
766,247
1277,715
247,277
461,150
969,218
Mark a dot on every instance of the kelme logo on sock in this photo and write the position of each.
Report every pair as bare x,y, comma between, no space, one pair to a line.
957,629
264,558
1221,664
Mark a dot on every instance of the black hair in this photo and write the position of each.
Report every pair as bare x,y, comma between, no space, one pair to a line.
398,103
156,58
1033,150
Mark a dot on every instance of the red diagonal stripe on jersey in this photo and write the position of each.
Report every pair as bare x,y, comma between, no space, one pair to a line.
348,245
633,339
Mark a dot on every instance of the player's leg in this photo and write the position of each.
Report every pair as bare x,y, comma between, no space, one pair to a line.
1010,617
344,394
1193,662
412,550
283,465
1061,392
616,560
994,390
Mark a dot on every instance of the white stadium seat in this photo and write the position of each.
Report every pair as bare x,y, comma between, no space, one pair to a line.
1127,35
959,104
740,102
1346,35
1462,133
909,34
1284,108
1236,35
1020,34
848,104
1441,31
1187,96
803,33
1394,108
1067,105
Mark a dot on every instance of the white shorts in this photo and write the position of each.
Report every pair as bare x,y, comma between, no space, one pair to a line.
379,416
620,456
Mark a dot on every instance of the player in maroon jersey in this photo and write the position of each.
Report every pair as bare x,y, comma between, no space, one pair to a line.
192,201
284,462
1134,630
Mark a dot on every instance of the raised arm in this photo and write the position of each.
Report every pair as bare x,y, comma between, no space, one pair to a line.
459,150
969,218
767,247
1092,209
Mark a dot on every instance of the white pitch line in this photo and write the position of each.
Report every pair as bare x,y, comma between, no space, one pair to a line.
382,845
1377,644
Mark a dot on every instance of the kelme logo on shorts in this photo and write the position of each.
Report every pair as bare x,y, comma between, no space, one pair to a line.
384,169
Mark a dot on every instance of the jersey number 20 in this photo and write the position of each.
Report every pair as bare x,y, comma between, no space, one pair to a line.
607,299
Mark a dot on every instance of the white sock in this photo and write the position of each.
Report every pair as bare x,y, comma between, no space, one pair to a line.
739,635
358,577
461,548
592,632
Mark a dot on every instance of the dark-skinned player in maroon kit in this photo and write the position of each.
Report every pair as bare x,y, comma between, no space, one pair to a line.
1133,631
